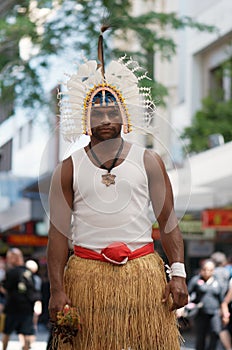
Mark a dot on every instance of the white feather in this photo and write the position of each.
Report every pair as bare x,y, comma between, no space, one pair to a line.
86,69
75,84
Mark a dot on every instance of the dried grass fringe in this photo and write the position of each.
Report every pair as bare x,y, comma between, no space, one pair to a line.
120,306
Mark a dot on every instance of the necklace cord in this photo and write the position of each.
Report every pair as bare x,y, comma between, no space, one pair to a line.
102,166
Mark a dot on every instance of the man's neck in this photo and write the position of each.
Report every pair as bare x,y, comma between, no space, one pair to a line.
106,146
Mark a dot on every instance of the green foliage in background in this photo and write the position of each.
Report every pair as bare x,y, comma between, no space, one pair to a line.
215,117
75,25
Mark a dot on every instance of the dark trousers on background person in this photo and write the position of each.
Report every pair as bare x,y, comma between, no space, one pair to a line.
207,326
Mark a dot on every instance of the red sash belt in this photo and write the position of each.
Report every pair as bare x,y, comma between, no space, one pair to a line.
116,253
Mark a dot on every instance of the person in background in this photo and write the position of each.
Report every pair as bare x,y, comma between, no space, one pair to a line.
205,289
2,276
226,310
33,267
2,269
2,293
19,309
229,266
221,272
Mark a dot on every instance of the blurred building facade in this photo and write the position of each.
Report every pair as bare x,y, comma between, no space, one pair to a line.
28,149
190,76
28,154
203,182
23,161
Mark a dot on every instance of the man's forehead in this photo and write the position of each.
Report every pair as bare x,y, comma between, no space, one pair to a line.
103,109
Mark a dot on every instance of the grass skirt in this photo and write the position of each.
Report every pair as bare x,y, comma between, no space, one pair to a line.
120,306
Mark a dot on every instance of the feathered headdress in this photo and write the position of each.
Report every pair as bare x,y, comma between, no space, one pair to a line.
121,79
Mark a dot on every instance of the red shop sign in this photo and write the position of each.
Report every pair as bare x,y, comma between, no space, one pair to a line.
217,218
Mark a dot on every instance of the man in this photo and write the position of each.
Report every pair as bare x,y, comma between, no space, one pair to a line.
114,277
18,307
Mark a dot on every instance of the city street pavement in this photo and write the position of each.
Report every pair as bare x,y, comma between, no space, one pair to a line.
189,340
39,344
42,337
15,345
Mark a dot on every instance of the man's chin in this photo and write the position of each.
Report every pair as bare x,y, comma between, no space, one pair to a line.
105,134
105,137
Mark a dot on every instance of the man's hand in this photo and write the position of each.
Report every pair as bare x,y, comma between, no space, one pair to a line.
57,302
178,289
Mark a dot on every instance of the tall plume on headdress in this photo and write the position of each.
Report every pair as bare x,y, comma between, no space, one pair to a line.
120,78
101,50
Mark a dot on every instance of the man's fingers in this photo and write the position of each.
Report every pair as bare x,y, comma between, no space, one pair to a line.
52,314
166,294
179,300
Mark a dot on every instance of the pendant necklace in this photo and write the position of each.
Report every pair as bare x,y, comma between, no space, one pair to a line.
108,179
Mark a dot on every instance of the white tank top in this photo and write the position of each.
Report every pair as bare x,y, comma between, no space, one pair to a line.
117,213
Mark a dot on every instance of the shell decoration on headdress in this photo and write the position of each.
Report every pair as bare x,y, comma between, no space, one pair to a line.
121,80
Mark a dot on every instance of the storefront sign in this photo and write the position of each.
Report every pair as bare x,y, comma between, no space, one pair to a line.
217,218
191,226
27,240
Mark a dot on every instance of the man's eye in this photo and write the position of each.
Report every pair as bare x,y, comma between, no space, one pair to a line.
97,115
113,114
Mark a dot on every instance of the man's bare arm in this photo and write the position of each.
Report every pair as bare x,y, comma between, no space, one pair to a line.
60,199
171,238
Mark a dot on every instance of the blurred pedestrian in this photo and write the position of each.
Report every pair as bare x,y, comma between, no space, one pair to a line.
205,290
33,267
45,289
221,272
2,293
2,269
229,265
226,308
19,307
2,276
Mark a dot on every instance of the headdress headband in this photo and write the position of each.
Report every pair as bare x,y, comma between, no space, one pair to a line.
118,79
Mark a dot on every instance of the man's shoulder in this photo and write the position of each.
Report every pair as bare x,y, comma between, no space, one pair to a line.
68,164
75,156
153,162
152,153
149,154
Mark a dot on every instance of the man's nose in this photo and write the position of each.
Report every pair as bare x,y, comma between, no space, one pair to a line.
105,119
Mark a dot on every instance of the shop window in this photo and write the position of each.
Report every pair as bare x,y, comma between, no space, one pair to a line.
6,156
221,81
6,102
25,134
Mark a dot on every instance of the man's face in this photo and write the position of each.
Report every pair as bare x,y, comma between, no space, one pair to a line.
106,122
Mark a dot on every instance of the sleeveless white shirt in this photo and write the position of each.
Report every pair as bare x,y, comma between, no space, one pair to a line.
117,213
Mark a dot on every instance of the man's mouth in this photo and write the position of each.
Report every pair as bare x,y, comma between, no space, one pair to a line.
105,129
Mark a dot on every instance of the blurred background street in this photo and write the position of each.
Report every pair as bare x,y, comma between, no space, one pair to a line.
40,343
42,336
186,49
